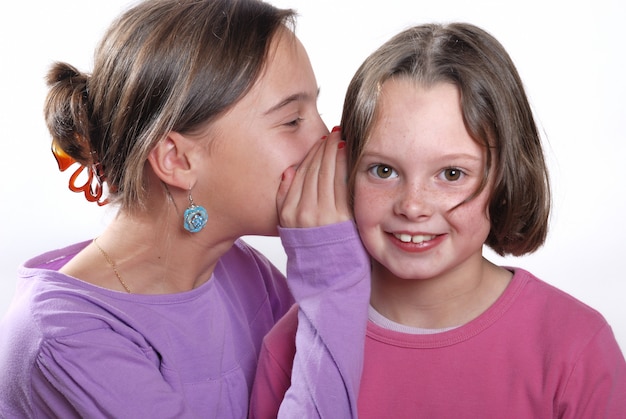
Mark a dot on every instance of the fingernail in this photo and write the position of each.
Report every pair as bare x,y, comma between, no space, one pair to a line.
341,145
336,128
324,137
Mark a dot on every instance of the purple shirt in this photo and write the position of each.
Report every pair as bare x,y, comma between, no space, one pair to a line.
71,349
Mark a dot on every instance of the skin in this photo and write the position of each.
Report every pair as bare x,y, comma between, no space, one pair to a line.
242,169
270,130
419,165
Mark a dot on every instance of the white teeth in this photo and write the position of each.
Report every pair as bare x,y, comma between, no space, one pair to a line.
407,238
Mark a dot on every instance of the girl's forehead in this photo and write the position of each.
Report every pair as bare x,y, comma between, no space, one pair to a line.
418,123
404,106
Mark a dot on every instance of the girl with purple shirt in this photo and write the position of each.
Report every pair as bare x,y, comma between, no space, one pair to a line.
197,121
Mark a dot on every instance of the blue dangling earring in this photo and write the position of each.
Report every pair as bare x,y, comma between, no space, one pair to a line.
195,217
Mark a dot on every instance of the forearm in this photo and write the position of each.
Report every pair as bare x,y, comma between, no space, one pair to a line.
328,273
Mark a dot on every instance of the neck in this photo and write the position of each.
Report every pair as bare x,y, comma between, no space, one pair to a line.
160,260
447,300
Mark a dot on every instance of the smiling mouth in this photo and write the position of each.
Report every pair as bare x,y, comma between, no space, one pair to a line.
419,238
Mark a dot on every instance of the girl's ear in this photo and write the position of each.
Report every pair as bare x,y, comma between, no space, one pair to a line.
170,160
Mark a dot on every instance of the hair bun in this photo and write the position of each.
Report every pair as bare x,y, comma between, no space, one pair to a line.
67,111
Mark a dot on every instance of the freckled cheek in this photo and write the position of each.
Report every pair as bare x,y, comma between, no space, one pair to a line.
370,205
473,215
368,216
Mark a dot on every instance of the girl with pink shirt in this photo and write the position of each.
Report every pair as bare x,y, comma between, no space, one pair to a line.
445,157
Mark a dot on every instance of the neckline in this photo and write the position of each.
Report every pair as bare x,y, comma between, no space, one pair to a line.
46,265
458,334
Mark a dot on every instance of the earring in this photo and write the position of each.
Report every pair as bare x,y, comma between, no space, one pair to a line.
195,217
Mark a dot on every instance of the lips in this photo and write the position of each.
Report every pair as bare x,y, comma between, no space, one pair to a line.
418,238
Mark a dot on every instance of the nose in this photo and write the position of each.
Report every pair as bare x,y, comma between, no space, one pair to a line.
315,129
414,201
319,127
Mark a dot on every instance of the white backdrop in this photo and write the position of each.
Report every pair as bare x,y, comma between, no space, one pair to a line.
571,56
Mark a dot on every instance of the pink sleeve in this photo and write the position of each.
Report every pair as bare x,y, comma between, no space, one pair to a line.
273,375
597,385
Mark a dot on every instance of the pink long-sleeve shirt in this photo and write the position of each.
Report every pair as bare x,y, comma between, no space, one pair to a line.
535,353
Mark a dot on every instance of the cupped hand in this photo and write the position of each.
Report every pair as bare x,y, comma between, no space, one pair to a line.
316,193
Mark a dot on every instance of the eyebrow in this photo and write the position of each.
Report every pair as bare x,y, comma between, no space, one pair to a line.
375,154
463,156
301,96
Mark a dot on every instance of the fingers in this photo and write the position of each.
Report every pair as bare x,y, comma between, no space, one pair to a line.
316,194
297,187
340,180
332,189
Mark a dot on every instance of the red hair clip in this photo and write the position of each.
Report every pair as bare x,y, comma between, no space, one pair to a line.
93,186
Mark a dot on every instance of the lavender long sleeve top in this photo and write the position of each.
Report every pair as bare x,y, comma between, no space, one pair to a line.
71,349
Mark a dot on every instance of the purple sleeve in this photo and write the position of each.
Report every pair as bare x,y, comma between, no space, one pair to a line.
70,372
328,272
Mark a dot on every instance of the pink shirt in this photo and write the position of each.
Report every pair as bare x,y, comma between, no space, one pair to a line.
535,353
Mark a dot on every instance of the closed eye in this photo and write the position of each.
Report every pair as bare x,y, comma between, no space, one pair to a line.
296,122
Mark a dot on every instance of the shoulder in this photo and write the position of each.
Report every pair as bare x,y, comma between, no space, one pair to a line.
55,305
578,344
51,260
45,307
556,318
42,293
556,302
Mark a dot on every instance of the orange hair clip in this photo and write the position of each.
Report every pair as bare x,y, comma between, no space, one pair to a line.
93,186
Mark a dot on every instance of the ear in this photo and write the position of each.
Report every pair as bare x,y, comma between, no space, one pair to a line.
170,160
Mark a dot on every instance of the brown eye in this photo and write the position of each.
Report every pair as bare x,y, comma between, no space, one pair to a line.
382,171
452,174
